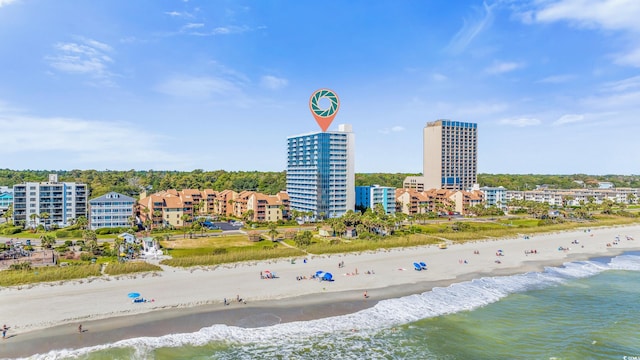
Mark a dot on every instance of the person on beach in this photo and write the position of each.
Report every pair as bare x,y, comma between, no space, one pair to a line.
366,295
4,331
80,328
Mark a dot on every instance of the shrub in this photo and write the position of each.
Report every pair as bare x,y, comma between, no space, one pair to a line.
68,243
12,230
62,234
219,251
85,256
20,266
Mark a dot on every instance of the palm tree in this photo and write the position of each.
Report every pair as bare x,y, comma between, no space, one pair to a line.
90,240
8,214
45,216
33,218
47,241
273,231
340,227
82,222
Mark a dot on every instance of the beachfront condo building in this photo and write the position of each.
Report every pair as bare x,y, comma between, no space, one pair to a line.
371,196
6,199
49,203
111,210
450,158
320,172
495,196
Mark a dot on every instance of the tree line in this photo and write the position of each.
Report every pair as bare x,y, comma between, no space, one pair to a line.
133,182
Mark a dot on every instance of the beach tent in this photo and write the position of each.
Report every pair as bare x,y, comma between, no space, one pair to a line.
325,276
133,295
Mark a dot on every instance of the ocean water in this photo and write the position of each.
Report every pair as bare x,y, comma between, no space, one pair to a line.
582,310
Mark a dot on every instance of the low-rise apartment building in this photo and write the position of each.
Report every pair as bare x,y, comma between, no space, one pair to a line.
412,202
370,196
268,208
575,197
111,210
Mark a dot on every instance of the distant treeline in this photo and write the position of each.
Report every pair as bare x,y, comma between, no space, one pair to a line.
132,182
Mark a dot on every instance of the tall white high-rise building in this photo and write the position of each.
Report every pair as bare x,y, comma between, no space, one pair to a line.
320,172
450,159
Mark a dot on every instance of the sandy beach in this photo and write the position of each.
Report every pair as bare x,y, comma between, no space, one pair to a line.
46,316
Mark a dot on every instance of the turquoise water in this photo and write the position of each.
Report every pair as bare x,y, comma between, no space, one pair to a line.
583,310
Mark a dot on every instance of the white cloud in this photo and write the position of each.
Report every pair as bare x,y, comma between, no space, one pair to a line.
179,14
568,119
198,87
226,30
438,77
272,82
609,15
80,143
623,85
193,26
631,58
520,122
471,29
503,67
557,79
87,56
396,128
606,14
5,2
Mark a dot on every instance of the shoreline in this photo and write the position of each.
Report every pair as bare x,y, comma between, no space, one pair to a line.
290,300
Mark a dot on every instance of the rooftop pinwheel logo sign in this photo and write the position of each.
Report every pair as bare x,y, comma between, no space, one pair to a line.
324,117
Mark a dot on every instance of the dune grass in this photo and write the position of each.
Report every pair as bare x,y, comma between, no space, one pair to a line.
186,259
116,268
48,274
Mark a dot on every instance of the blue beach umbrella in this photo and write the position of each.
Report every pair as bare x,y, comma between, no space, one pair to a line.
133,295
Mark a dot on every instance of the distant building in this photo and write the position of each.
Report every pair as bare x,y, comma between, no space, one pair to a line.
450,158
605,185
576,197
495,196
370,196
411,202
320,172
62,201
414,182
111,210
6,199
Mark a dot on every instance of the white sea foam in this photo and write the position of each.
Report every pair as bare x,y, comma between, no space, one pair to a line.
384,315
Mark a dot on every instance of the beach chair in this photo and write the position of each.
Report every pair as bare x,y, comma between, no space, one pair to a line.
423,265
417,266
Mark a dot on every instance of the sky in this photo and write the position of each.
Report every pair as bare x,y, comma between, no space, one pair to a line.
554,85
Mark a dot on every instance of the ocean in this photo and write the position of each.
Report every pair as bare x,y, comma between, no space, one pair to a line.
581,310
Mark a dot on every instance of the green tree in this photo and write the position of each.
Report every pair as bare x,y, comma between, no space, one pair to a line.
45,216
303,238
33,218
47,241
82,222
91,240
273,231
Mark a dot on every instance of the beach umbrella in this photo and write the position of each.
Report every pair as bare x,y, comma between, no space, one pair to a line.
133,295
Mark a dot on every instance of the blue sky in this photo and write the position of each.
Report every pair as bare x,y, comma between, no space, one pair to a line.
112,84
